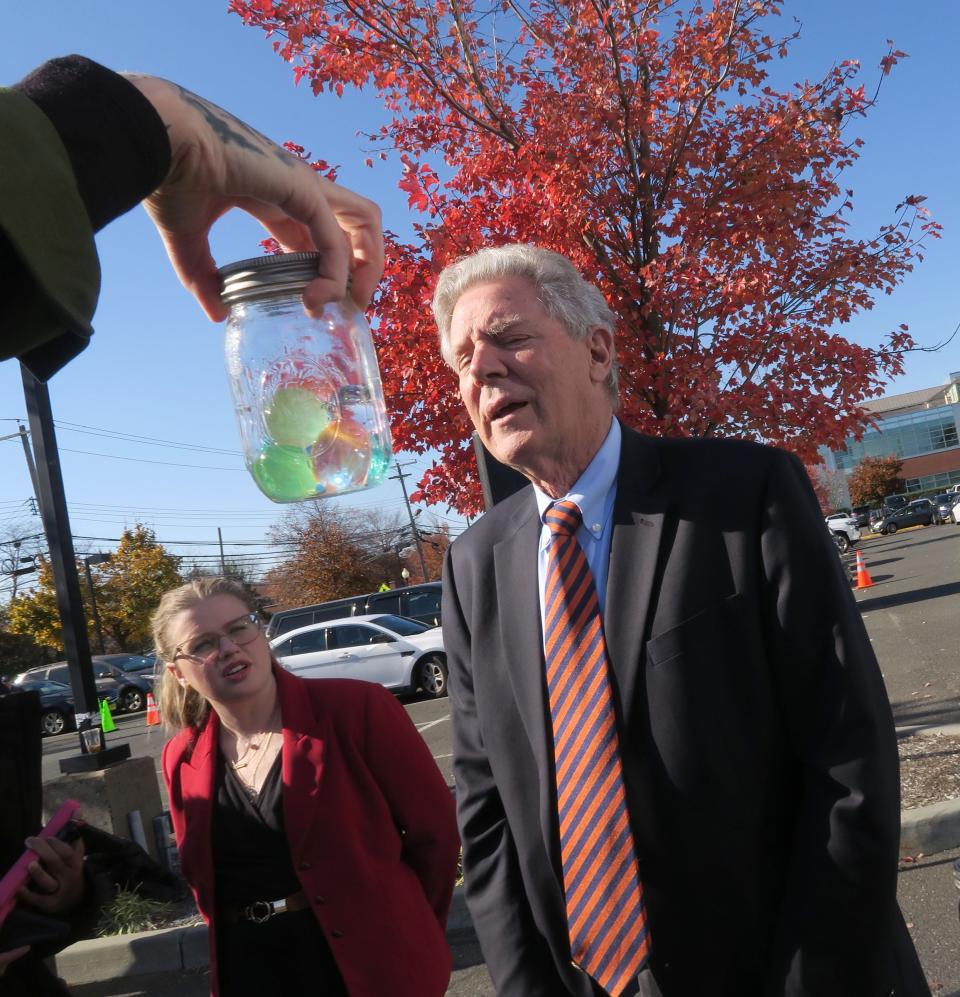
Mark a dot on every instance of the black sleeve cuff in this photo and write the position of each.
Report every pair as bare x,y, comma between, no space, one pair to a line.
116,141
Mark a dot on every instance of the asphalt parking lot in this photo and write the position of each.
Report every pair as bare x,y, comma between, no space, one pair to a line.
912,614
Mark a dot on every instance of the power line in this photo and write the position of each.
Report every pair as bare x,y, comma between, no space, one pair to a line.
145,460
116,434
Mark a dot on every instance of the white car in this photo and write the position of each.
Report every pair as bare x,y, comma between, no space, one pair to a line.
844,529
401,654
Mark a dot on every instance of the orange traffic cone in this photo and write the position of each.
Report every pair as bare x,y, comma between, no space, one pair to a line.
153,714
864,581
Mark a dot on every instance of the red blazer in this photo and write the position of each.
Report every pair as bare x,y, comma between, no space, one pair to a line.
370,824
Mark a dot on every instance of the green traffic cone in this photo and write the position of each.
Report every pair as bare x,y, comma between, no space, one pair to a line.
106,718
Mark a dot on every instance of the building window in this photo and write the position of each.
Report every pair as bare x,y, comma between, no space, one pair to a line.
932,482
905,436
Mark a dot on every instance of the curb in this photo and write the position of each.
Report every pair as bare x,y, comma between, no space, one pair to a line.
935,827
173,950
168,950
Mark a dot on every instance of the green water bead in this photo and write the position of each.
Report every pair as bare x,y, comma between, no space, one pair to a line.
296,417
284,474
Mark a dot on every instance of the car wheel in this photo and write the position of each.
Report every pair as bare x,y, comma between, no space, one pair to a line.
131,701
52,722
891,529
432,676
843,542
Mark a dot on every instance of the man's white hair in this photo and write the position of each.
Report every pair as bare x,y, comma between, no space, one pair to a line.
567,298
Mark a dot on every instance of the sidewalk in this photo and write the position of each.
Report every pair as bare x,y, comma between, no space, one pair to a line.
173,962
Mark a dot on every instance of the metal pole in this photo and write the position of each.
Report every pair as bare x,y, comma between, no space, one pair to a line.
56,523
400,476
16,567
93,605
31,467
223,562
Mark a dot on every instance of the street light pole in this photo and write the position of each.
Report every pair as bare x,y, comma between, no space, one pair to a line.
52,501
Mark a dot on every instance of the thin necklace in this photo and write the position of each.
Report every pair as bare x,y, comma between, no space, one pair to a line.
251,786
252,745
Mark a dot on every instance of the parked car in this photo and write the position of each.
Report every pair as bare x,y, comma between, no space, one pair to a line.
861,516
129,691
844,529
414,602
56,704
945,504
920,512
401,654
131,686
142,665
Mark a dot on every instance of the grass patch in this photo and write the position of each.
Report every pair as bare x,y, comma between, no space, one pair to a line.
130,913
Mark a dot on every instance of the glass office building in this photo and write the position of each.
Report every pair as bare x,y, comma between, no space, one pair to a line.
922,428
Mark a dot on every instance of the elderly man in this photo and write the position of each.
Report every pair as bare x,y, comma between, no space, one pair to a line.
675,760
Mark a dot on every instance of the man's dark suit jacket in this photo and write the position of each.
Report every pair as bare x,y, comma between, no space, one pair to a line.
758,745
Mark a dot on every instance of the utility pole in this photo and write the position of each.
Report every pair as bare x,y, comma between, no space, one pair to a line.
11,566
401,477
223,561
31,467
87,561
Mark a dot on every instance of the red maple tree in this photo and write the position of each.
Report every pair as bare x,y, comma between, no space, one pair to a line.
645,140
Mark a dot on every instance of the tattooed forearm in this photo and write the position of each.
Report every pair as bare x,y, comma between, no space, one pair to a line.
233,131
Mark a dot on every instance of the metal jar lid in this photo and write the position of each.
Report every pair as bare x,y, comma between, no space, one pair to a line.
263,276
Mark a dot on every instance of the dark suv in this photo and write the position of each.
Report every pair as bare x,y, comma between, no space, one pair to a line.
920,512
415,602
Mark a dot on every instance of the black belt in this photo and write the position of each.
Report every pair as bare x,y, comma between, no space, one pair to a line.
261,911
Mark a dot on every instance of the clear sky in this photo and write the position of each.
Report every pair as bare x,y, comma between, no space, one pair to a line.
155,368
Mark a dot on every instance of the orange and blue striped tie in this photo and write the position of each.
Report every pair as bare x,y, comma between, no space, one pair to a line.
606,916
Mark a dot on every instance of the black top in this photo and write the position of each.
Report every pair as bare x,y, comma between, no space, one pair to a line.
249,840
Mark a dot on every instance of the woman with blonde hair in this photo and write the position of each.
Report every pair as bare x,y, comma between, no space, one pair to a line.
314,827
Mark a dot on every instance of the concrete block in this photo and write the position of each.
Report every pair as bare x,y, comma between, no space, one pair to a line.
195,950
120,955
108,796
930,829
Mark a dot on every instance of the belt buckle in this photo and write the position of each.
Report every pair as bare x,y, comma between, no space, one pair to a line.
252,912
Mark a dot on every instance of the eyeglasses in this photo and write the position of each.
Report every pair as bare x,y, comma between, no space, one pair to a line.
203,648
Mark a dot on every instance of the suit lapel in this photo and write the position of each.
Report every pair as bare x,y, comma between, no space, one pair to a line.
638,515
197,778
515,568
515,565
303,758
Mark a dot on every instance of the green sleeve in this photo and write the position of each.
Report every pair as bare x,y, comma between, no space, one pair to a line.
51,275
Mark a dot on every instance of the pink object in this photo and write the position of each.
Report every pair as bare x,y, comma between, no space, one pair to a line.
17,874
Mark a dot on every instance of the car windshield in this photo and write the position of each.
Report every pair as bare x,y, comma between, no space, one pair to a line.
400,625
131,662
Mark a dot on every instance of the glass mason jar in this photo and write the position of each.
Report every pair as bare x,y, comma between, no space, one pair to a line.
307,391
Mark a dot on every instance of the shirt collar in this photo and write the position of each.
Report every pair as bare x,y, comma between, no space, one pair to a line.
591,489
